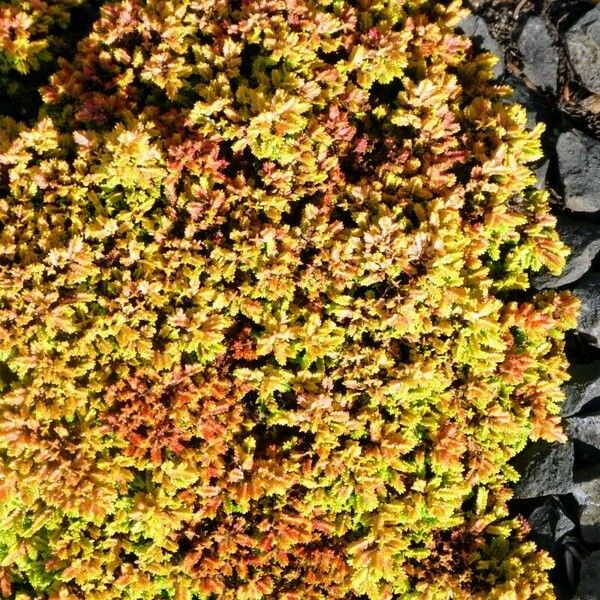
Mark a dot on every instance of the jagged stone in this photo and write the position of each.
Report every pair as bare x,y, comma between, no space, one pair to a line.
585,428
583,387
549,524
583,240
586,487
579,167
586,490
545,469
476,28
541,174
588,291
540,57
583,44
589,523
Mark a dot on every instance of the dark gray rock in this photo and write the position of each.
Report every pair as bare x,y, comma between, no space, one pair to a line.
583,387
549,524
588,323
476,28
563,592
584,241
585,428
545,469
586,490
589,523
583,44
589,587
564,525
586,487
579,166
589,578
541,173
540,57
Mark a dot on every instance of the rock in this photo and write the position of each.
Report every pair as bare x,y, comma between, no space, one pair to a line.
541,173
545,469
584,241
589,578
589,523
563,592
540,58
579,166
583,387
588,323
476,28
585,428
564,525
549,524
583,44
586,490
586,487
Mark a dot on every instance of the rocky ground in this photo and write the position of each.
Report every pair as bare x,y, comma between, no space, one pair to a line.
549,50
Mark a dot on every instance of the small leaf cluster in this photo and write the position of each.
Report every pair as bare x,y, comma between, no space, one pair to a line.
33,34
28,32
265,320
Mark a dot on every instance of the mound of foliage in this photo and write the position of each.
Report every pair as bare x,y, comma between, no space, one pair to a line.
265,326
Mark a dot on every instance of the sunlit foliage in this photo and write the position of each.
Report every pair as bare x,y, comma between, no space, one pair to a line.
264,322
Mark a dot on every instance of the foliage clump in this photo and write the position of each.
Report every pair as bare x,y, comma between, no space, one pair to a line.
28,32
264,322
33,35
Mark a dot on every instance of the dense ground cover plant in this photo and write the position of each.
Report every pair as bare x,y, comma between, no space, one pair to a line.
264,327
